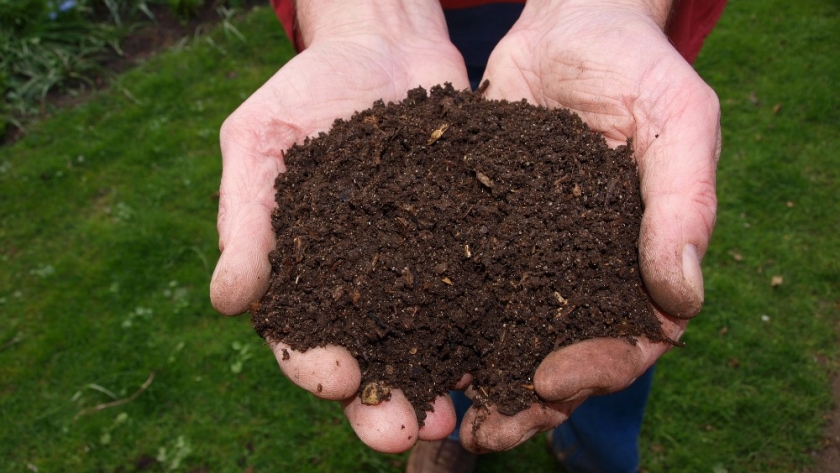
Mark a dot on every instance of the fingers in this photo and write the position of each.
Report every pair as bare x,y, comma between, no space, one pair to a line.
242,272
329,373
679,137
440,421
389,427
464,382
600,365
590,367
246,199
485,430
565,379
677,171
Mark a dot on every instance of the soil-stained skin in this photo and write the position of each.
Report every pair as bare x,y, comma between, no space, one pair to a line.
448,234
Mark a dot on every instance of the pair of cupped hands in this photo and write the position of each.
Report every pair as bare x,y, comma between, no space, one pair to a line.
608,61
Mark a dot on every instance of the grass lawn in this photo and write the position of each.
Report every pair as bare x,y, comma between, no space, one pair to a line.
107,243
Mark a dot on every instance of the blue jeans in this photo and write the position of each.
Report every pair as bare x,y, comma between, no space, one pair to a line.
476,30
601,436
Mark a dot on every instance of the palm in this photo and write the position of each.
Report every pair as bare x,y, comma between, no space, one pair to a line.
328,81
331,79
619,73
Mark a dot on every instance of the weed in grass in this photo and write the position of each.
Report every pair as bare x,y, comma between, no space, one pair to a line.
185,9
243,354
172,456
44,48
49,47
118,9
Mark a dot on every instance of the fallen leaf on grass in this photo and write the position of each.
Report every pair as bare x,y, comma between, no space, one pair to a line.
776,281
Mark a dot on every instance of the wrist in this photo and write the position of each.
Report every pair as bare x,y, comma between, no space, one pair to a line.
320,20
657,11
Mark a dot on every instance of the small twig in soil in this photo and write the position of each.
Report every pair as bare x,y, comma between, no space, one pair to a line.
569,311
299,249
385,326
336,264
610,190
361,348
385,145
100,407
673,342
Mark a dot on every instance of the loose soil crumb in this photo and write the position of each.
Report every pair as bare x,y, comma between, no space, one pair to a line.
449,234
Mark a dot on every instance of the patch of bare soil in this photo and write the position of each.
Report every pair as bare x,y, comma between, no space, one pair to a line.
166,30
828,459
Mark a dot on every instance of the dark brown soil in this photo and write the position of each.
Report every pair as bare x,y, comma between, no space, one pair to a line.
448,234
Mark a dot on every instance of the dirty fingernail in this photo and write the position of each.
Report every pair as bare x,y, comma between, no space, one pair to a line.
691,269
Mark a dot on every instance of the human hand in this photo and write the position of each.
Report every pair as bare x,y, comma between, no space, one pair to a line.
610,62
354,56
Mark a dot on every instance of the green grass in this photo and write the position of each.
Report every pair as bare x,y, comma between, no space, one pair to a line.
107,243
750,390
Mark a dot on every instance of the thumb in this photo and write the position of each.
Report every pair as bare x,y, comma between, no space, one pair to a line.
242,272
677,171
246,200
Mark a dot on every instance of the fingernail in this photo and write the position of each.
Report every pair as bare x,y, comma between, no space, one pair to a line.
526,437
691,269
582,394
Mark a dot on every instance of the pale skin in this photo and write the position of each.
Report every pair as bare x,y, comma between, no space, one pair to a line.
609,61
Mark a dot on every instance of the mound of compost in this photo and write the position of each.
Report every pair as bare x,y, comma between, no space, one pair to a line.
449,234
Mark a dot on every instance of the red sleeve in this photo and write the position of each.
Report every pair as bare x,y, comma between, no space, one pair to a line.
690,23
285,10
